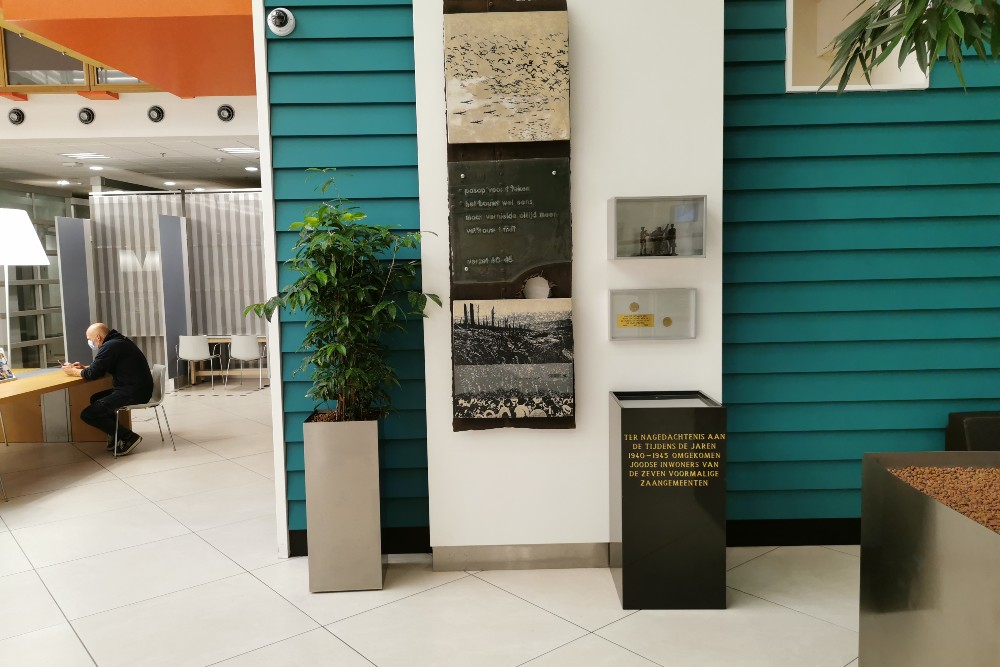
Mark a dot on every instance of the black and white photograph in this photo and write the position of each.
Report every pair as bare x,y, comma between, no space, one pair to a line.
513,359
653,314
656,227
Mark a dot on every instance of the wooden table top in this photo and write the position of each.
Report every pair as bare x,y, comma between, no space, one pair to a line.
35,384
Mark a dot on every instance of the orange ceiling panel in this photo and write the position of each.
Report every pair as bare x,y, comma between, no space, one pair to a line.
191,48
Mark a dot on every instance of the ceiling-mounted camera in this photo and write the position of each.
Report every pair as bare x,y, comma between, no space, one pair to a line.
226,113
281,22
156,113
15,116
86,115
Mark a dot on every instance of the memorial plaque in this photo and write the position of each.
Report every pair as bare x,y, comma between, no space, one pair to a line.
653,314
507,76
668,500
510,220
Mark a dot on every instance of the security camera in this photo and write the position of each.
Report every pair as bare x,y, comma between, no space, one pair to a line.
281,22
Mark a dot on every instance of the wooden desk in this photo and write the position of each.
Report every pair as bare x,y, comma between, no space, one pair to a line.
21,404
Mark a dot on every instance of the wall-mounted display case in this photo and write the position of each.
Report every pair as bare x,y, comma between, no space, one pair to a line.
652,314
656,227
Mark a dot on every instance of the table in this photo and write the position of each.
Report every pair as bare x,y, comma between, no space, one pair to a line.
196,371
63,397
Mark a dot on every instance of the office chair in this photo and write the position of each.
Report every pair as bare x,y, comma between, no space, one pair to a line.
243,349
195,348
159,372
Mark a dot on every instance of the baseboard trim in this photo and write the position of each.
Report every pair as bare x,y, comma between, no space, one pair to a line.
394,541
792,532
520,557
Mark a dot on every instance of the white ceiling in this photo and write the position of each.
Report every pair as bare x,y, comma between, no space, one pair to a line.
189,161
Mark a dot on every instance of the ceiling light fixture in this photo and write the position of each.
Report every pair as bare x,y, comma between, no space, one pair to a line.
62,182
199,189
96,168
240,150
169,183
86,156
250,168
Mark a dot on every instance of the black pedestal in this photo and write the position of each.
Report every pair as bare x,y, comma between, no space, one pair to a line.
972,431
668,500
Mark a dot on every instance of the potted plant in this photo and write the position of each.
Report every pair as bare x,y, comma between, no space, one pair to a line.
354,288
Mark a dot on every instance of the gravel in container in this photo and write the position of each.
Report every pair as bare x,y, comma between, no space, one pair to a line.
974,492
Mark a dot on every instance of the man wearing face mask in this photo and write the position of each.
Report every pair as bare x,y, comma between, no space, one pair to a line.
133,383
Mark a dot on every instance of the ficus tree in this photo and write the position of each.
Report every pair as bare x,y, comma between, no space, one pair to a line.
354,288
929,29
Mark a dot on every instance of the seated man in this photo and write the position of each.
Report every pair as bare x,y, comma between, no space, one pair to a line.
133,383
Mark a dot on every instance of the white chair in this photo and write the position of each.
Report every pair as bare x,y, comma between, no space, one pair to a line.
195,348
159,373
243,349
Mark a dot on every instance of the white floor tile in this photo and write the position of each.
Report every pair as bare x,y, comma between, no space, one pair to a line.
736,556
291,579
466,622
586,597
853,549
311,649
750,633
69,503
61,541
813,580
201,511
26,456
191,479
854,663
51,478
261,464
218,429
96,584
241,445
57,646
151,456
591,651
253,544
12,559
25,605
197,626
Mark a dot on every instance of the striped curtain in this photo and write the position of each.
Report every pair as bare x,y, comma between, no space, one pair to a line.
127,265
226,260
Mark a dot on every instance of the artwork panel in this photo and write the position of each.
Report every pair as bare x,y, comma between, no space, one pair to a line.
513,360
511,220
507,77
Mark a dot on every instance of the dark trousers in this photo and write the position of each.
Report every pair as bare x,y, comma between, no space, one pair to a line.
101,412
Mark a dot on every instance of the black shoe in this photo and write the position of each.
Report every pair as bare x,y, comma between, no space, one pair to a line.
126,446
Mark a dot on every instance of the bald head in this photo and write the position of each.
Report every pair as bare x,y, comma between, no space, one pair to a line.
96,333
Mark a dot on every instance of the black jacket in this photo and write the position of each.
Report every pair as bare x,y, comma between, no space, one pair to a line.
127,364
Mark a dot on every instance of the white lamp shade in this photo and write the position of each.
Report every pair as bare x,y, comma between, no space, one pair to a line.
19,244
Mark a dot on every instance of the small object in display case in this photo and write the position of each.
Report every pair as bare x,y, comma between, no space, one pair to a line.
653,314
5,372
656,227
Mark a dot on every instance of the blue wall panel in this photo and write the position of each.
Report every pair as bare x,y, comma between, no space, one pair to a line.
342,95
862,271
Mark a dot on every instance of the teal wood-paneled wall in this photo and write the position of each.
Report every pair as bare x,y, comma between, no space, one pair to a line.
342,95
862,272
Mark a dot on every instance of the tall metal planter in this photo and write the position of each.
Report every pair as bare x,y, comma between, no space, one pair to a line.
342,506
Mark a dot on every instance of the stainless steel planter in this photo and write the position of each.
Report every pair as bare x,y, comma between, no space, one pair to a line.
342,506
930,577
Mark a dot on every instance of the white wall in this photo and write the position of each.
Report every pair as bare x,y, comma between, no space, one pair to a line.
646,114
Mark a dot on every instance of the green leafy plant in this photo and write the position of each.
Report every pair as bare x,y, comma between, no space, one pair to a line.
355,289
927,28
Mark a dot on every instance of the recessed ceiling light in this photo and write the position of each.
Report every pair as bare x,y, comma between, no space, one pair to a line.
169,183
241,150
199,189
62,182
250,168
96,168
86,156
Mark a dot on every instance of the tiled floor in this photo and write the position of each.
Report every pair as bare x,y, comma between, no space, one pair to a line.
168,558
